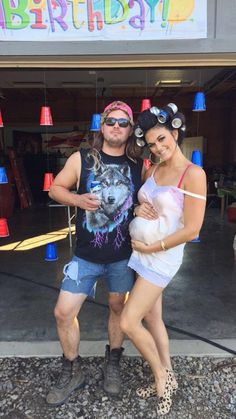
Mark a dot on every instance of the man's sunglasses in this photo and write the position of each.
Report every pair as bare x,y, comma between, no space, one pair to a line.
122,122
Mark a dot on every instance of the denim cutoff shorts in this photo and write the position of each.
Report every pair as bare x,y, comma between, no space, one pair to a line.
81,276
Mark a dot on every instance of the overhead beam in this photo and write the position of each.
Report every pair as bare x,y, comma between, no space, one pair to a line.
120,61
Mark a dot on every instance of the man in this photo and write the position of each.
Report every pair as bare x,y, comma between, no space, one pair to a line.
103,242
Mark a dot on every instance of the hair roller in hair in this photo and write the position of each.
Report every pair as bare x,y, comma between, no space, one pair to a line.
138,132
140,142
155,110
167,112
176,122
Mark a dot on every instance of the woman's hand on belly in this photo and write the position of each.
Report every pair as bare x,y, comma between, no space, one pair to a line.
146,210
140,246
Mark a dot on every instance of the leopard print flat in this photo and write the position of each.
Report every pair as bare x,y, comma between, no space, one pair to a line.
151,390
165,402
146,392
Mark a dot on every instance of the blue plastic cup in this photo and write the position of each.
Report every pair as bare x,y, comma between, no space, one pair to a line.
199,102
197,157
96,122
51,252
3,175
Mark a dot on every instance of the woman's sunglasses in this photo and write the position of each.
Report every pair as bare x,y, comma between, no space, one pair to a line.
122,122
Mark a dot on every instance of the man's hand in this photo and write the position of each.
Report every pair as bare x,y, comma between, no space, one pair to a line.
87,201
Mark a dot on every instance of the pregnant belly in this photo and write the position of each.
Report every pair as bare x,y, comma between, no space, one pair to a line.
147,231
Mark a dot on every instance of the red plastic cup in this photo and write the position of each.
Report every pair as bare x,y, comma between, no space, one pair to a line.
1,121
4,232
48,179
46,116
146,104
147,163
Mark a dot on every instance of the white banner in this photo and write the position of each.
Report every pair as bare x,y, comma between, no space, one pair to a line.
102,20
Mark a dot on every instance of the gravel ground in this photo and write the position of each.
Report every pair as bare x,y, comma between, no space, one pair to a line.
207,390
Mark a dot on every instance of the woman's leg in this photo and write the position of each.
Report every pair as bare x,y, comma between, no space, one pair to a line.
156,327
158,331
142,298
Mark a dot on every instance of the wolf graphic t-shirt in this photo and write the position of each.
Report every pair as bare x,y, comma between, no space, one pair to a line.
103,235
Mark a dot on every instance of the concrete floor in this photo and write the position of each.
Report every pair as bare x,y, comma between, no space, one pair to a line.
201,298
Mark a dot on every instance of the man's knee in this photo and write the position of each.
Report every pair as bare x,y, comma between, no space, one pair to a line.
61,315
116,302
64,314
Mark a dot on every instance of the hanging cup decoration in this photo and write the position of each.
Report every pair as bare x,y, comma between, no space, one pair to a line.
48,179
46,116
199,102
1,120
95,122
146,104
3,176
4,231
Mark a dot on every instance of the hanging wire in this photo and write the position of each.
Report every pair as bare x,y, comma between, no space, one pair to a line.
146,82
198,113
96,92
200,79
198,122
47,151
45,90
46,128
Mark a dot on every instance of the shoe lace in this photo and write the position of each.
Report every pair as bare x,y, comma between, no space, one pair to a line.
65,374
113,372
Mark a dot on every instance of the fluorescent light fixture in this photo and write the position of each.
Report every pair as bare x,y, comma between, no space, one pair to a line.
28,84
168,82
77,85
174,83
117,85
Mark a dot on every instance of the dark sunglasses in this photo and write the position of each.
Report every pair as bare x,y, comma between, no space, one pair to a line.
122,122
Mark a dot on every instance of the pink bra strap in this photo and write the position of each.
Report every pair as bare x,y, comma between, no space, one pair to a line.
154,170
181,179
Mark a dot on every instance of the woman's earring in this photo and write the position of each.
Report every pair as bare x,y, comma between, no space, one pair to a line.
150,158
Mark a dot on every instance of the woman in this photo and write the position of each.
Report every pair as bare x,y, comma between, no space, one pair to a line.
172,205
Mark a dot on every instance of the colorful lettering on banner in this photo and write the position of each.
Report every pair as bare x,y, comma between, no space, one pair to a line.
113,20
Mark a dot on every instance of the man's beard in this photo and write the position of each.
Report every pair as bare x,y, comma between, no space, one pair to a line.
116,142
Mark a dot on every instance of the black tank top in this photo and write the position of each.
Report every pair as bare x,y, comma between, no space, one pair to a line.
103,235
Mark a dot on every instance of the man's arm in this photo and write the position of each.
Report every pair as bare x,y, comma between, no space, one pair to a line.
68,178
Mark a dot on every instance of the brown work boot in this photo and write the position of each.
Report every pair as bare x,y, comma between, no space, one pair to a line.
70,379
111,371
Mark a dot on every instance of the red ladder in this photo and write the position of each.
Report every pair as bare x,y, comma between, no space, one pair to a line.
20,179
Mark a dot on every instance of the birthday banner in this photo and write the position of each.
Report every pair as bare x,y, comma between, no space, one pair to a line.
112,20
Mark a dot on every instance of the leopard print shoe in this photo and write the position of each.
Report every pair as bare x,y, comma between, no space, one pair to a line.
146,392
165,402
174,383
151,390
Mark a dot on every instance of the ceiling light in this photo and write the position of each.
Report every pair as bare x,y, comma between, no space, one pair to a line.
77,85
174,83
117,85
170,81
28,84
